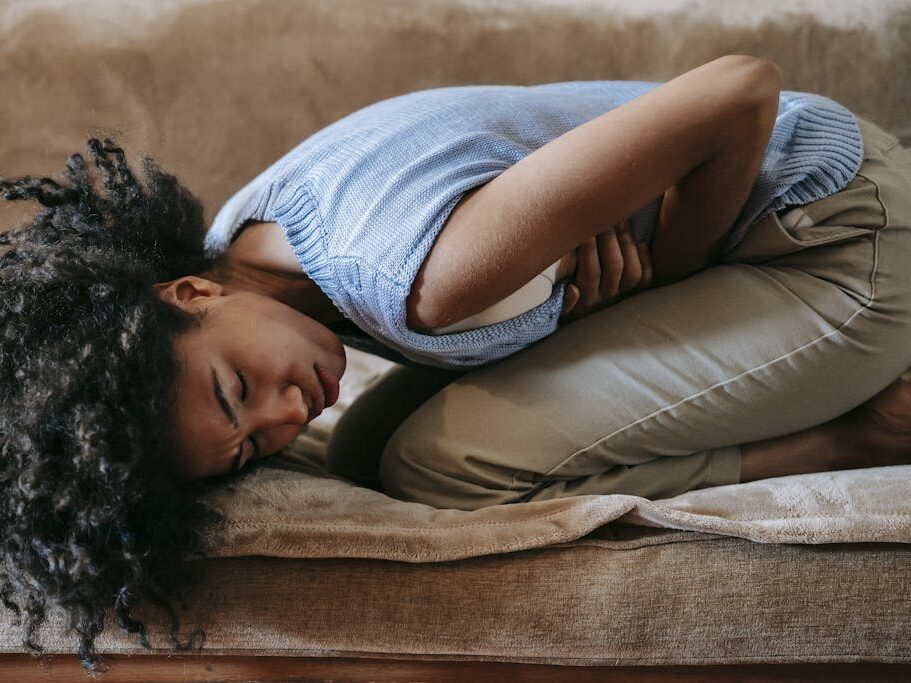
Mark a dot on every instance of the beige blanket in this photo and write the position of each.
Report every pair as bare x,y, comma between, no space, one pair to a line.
290,508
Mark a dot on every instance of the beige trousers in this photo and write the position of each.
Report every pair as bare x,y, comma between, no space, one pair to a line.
809,317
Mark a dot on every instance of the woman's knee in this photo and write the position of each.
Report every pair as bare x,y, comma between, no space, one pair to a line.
417,466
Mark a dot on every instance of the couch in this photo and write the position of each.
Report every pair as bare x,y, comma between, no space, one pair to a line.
318,573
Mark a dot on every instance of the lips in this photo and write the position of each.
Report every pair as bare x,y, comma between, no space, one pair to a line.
329,384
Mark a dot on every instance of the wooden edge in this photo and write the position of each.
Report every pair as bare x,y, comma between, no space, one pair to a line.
24,668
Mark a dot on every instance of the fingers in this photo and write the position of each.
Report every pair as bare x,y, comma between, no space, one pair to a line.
588,272
632,268
570,299
645,258
611,264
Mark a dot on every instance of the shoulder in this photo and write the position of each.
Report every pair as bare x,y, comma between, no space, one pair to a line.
263,245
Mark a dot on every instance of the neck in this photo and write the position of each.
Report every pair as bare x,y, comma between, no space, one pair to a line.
294,289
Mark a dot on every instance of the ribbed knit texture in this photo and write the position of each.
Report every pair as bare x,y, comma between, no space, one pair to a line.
362,200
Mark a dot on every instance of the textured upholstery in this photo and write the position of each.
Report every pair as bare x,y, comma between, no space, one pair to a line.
708,602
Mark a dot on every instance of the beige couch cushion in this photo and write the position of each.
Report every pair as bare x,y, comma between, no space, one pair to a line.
636,602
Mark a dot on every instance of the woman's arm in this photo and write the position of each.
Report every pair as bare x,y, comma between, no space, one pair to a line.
699,210
500,235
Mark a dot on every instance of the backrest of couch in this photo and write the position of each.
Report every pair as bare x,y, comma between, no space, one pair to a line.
217,89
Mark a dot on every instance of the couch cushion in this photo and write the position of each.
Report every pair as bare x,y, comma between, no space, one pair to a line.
721,601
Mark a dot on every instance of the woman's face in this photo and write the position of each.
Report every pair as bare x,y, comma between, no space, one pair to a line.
249,380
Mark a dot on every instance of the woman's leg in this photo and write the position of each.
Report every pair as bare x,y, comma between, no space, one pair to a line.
876,434
802,324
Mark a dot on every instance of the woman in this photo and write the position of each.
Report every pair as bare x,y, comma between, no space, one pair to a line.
135,365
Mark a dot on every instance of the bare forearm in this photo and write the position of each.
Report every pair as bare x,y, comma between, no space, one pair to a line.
700,209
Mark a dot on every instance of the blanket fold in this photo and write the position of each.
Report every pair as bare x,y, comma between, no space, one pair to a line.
287,513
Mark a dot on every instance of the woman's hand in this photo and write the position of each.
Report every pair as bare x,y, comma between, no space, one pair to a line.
609,267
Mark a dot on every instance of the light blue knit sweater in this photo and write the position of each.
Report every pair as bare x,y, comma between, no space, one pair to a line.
362,200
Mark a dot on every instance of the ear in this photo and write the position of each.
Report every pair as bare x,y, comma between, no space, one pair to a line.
190,292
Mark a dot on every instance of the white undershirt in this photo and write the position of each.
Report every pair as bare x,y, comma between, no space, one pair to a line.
533,293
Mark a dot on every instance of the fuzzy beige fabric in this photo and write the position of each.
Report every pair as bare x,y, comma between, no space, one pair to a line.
272,513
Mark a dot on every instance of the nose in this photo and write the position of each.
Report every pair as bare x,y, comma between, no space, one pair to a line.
285,407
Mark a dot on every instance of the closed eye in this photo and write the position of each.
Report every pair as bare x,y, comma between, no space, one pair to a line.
243,386
255,446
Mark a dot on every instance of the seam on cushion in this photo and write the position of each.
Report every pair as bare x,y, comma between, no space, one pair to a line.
272,525
786,657
588,516
723,383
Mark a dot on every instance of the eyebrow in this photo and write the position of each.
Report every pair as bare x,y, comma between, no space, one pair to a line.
229,412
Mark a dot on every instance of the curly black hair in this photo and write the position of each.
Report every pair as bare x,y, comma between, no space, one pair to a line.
92,517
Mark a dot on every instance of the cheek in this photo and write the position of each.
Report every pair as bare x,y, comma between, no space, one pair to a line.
280,437
288,339
200,434
315,334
